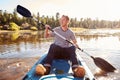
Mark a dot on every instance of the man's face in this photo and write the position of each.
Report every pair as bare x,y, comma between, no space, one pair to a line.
63,21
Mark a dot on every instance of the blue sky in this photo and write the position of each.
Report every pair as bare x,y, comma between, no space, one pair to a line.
101,9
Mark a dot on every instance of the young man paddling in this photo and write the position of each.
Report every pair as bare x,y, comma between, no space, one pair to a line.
61,49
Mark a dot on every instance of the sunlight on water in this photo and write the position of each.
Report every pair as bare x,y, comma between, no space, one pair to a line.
108,43
104,31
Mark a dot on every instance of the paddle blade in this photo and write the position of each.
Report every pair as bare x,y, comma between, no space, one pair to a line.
23,11
104,65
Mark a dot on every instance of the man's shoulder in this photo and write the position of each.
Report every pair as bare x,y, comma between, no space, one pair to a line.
57,28
70,30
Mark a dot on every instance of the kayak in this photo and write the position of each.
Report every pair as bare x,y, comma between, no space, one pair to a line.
61,70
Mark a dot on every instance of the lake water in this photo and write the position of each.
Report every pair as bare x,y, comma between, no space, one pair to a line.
104,44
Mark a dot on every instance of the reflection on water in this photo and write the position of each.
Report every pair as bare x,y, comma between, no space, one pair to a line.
31,44
21,42
96,36
16,37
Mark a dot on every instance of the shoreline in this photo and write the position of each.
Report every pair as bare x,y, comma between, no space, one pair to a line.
75,29
3,31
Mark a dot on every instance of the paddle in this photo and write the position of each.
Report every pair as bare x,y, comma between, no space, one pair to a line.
101,63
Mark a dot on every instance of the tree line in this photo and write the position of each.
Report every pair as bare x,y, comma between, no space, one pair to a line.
6,18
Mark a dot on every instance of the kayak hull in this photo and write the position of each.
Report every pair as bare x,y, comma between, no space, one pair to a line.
61,70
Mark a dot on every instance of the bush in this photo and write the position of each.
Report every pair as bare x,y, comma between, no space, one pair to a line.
14,27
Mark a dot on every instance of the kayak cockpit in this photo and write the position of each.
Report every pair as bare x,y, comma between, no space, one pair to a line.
61,70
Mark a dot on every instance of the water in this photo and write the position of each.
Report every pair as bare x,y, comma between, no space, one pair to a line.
31,44
108,48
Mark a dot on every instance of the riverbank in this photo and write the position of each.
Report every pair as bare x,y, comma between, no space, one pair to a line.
15,68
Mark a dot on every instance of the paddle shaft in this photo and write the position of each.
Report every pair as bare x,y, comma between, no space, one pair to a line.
69,41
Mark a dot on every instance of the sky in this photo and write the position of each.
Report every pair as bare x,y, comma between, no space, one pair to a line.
94,9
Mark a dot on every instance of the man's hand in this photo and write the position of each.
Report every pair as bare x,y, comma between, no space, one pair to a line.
47,27
76,45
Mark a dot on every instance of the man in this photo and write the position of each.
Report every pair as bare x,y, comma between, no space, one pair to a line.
61,49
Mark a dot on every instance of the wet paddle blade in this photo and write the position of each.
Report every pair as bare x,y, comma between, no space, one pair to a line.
101,63
104,65
23,11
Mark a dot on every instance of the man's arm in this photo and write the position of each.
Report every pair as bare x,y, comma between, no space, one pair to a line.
47,32
75,43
